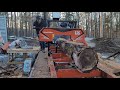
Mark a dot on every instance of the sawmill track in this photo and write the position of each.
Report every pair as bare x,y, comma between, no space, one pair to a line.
40,68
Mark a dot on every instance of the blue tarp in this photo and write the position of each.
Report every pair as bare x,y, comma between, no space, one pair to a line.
27,65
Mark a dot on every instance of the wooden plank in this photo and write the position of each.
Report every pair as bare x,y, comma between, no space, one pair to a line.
113,64
20,50
107,70
108,67
40,68
52,68
109,63
70,42
101,25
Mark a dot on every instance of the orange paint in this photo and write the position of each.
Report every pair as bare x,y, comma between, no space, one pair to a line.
47,34
73,73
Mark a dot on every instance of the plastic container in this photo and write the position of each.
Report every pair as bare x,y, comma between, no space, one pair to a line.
27,65
4,58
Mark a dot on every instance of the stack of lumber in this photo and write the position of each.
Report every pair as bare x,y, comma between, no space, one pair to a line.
110,67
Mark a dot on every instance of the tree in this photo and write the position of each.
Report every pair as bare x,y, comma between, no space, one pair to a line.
15,24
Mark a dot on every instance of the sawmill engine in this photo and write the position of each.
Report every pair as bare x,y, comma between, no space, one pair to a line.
83,58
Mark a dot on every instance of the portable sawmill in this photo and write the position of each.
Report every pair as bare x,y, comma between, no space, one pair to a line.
69,54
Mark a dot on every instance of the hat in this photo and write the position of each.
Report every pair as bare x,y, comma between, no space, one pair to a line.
63,24
38,17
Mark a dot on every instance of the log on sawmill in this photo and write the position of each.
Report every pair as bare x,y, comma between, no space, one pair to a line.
85,58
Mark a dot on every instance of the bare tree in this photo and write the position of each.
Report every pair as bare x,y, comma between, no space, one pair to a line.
15,24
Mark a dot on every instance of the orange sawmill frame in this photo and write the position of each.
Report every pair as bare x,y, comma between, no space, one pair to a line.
70,73
77,35
48,34
62,59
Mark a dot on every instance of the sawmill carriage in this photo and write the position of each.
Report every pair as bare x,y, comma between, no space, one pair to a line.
68,52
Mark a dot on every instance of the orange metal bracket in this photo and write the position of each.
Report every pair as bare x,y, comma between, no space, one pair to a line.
73,73
64,59
58,55
5,46
47,34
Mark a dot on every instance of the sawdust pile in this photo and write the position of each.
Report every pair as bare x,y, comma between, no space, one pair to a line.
107,45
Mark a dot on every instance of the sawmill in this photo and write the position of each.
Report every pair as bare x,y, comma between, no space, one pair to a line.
62,48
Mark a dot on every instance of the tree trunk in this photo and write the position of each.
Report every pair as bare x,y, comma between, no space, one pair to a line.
101,25
96,25
12,33
78,19
32,25
15,24
86,25
29,25
25,17
119,25
22,30
8,27
111,28
91,26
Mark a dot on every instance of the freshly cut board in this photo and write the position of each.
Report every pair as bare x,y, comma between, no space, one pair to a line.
110,67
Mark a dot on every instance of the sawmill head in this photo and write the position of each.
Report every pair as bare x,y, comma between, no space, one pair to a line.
86,59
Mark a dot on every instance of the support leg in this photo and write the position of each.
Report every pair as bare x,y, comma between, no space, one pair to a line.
48,49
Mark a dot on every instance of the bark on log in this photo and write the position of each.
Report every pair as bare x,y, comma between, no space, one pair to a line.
85,58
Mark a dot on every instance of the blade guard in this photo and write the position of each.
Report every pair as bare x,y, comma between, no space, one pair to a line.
47,34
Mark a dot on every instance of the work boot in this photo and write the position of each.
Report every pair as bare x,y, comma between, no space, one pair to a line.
43,51
40,49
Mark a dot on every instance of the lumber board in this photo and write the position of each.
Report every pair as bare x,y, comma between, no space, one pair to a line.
20,50
109,63
114,64
52,68
70,42
40,68
109,67
108,70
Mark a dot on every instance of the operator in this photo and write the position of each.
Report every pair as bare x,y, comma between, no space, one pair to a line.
64,25
38,25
